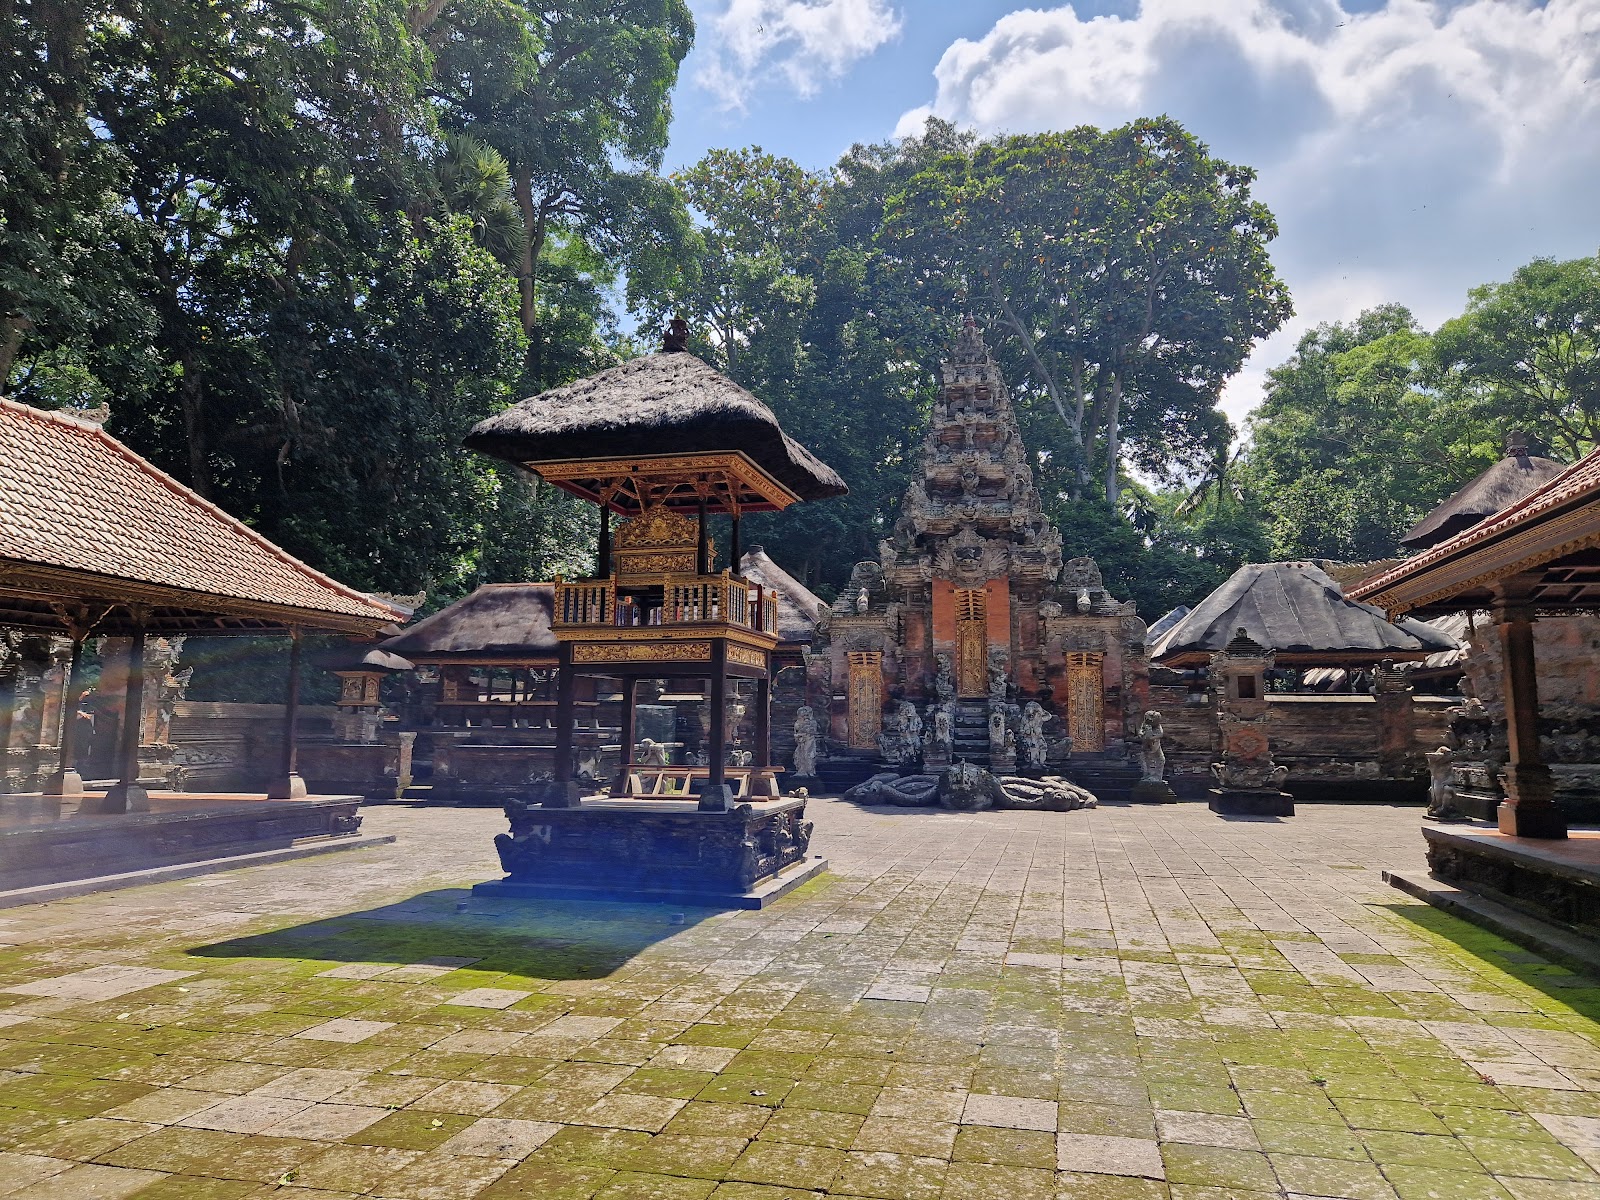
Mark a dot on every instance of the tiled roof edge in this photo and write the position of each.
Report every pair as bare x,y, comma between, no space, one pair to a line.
187,494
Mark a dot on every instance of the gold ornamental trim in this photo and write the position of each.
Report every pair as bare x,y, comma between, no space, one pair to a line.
747,656
631,564
695,631
605,652
657,527
647,480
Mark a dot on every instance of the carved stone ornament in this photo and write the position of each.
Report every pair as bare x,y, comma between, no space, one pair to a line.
970,558
1081,573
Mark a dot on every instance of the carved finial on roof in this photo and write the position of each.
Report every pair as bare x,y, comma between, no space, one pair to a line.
676,339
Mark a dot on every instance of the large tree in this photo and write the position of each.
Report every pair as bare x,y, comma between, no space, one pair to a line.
1127,269
1527,352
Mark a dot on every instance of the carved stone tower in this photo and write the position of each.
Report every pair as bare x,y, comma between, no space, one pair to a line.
970,605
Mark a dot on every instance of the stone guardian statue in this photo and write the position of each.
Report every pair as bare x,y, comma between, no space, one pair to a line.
807,743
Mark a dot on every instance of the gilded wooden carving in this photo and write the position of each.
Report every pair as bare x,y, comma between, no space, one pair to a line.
598,652
865,698
1085,702
747,656
972,643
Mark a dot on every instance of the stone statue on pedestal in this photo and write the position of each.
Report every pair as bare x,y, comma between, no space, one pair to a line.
1035,747
901,739
1441,793
939,739
1152,787
807,741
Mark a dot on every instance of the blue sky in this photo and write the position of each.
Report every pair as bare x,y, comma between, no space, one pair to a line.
1410,148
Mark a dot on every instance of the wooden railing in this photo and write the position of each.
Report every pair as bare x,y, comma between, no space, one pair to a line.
686,600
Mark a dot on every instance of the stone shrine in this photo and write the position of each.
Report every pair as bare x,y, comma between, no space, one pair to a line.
970,638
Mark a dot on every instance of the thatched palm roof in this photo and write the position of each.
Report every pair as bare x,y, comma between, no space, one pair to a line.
498,621
1297,610
1502,485
797,604
660,404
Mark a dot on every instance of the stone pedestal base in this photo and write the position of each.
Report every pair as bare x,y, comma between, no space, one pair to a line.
1531,821
287,787
555,794
1250,802
119,798
63,783
630,850
716,799
1145,792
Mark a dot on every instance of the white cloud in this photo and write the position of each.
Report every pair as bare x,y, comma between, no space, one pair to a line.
802,42
1408,153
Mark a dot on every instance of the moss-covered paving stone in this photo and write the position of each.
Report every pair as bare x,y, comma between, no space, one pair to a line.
1244,1000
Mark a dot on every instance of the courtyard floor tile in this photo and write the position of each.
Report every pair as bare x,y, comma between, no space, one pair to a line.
1115,1004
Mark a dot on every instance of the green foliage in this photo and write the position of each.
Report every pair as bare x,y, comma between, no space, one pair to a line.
1526,353
1372,424
1124,276
287,241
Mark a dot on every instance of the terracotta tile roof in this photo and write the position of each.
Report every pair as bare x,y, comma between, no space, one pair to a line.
72,497
1580,481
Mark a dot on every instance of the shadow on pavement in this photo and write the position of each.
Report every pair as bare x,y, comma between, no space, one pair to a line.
1579,992
537,939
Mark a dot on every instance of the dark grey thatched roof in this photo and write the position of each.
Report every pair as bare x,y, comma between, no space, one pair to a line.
797,604
670,403
1153,634
499,620
1296,609
1502,485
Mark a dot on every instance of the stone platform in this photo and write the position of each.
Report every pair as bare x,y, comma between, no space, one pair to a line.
1250,802
1557,881
40,848
666,851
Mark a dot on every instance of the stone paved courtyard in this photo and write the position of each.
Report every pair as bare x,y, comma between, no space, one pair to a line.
1017,1006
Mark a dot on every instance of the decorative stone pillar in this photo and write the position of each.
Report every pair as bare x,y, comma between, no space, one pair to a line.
359,705
1529,809
1397,723
1249,781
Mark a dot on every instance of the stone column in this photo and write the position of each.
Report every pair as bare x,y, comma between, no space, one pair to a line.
127,795
1397,723
1529,809
287,784
67,781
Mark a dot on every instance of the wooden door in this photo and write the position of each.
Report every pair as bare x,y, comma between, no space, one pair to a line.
866,698
972,644
1086,702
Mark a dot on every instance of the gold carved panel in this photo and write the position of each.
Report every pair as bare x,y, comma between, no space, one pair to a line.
656,562
865,698
972,643
747,656
603,652
656,527
1086,701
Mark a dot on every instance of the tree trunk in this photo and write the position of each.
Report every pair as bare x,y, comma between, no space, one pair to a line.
11,330
532,243
191,397
1113,439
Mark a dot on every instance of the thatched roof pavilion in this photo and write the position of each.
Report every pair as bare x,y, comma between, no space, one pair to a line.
797,604
1502,485
1296,610
603,437
499,622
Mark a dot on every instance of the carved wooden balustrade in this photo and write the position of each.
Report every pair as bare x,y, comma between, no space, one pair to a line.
665,600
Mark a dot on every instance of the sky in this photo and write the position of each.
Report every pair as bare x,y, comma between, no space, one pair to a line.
1410,149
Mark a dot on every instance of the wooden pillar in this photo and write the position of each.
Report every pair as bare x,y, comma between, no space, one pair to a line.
630,691
602,568
717,796
565,683
735,551
67,781
125,795
8,706
763,752
1529,809
702,555
287,785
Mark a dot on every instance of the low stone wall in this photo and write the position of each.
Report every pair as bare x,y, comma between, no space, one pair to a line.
235,747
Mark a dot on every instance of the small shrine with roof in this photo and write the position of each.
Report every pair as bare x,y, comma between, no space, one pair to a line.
970,637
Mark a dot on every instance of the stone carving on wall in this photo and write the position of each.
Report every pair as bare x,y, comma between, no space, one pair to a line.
969,558
939,738
944,682
901,739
